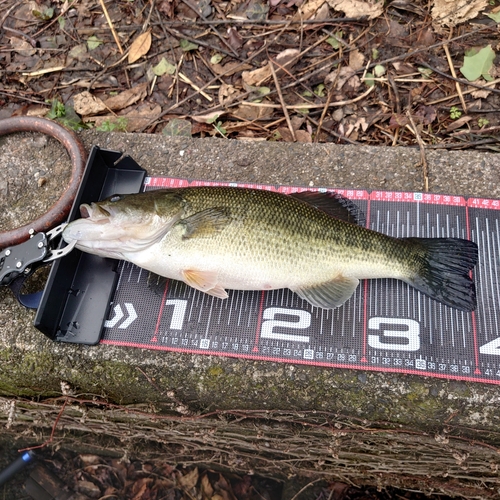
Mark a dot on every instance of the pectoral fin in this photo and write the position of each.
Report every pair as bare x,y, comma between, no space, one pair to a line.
330,294
205,281
205,223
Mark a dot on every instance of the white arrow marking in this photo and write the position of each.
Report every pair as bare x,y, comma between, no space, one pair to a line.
110,323
132,316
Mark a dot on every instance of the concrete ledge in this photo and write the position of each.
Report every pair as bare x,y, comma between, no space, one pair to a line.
458,419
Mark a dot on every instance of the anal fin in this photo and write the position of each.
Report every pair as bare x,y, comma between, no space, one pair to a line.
330,294
205,281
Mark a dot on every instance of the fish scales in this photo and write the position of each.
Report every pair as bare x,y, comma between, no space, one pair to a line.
218,238
282,233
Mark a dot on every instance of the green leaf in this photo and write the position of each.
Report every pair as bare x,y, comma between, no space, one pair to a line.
369,81
44,15
57,109
479,64
334,40
424,71
379,70
216,58
186,45
93,42
119,124
257,11
62,22
164,67
494,16
320,90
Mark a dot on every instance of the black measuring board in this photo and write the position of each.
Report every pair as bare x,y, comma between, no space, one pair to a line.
385,326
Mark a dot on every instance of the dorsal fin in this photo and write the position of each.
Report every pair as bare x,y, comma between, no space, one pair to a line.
334,204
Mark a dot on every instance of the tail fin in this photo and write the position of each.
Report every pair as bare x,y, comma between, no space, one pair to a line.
444,271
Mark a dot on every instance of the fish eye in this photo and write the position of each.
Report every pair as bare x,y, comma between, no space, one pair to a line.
115,197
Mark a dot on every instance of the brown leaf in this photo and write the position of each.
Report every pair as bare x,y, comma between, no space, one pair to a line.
127,97
426,114
189,480
398,121
453,12
131,121
358,8
458,123
167,7
206,487
251,113
230,68
87,104
208,117
140,47
286,59
235,39
356,59
227,94
308,9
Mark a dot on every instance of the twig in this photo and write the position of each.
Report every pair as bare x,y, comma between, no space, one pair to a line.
421,145
460,80
305,488
323,113
306,105
185,79
331,132
195,9
282,101
457,84
110,24
447,98
65,9
475,131
51,438
210,82
8,11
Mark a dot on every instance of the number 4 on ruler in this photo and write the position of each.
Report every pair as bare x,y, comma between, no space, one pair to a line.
492,347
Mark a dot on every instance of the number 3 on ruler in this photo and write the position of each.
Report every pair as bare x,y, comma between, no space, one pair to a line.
410,336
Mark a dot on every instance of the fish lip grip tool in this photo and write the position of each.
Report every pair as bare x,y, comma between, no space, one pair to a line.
24,249
59,211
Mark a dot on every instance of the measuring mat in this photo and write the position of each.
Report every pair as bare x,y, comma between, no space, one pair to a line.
386,325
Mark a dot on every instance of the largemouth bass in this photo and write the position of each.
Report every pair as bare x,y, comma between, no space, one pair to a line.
218,238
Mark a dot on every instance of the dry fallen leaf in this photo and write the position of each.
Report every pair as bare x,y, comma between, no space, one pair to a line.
251,113
127,97
208,118
356,59
308,9
340,77
286,59
358,8
230,68
480,94
140,47
22,46
453,12
131,121
189,480
227,94
87,104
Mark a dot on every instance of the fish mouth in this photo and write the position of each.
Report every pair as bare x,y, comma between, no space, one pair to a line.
93,212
